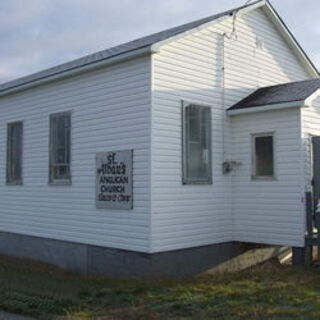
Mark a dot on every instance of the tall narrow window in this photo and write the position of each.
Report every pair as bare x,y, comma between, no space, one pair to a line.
14,153
196,144
263,156
60,144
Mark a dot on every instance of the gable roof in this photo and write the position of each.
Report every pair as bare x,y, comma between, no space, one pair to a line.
134,46
279,94
118,50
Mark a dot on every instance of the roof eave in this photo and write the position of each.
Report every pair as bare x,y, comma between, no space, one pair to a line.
78,70
271,107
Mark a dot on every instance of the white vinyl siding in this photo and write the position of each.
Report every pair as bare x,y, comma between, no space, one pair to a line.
187,215
110,111
191,68
257,57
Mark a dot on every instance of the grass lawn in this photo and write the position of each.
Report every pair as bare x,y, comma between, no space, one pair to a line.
264,292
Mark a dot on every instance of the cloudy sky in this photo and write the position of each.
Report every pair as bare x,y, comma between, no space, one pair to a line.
37,34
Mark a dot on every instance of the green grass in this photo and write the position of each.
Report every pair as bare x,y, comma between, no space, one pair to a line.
265,292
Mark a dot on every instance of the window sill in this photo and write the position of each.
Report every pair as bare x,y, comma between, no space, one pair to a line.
60,183
205,183
263,178
14,183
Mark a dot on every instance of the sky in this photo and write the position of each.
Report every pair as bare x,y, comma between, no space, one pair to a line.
38,34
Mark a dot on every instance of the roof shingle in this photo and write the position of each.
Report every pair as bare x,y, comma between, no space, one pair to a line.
288,92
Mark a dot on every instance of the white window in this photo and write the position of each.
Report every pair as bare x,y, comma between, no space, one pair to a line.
60,148
263,156
196,144
14,152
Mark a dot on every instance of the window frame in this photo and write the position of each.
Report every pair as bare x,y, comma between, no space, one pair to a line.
9,155
51,180
254,176
185,179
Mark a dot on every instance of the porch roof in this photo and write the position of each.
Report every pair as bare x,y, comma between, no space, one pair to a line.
278,95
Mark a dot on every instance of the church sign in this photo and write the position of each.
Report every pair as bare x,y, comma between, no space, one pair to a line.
114,180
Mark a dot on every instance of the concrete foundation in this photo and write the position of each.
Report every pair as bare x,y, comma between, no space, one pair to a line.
94,260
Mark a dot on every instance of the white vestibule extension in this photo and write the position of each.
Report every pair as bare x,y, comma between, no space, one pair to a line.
269,211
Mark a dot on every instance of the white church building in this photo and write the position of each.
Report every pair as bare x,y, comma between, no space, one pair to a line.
166,155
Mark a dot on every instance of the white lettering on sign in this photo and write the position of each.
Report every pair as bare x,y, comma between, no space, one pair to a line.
114,180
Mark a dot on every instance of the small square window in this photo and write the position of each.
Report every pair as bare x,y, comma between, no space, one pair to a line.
263,156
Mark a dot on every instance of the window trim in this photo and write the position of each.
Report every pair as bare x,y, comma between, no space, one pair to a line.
185,179
254,177
20,181
59,182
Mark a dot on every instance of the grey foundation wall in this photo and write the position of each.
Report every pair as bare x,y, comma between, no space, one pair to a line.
93,260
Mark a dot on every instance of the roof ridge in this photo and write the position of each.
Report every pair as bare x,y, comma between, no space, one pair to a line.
204,19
